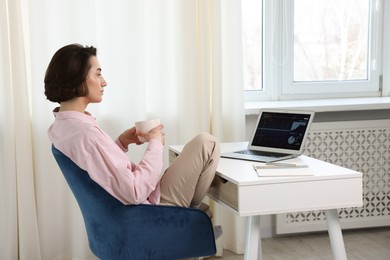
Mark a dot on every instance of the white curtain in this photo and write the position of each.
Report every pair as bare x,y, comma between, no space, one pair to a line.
176,60
18,211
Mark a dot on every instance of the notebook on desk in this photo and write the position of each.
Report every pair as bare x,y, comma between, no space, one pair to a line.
282,169
278,135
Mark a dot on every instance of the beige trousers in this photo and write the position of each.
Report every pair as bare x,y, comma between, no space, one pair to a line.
187,180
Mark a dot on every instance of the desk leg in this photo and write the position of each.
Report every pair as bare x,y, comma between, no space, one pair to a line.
253,239
335,235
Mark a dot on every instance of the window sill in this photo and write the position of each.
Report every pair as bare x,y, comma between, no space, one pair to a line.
322,105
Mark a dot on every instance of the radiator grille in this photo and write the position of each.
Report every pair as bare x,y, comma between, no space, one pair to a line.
360,146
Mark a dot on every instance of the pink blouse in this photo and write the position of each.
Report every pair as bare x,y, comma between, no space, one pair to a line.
78,136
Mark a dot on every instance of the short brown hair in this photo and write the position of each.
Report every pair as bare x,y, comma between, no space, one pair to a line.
67,72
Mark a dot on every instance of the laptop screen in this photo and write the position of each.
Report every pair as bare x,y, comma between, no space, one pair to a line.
281,130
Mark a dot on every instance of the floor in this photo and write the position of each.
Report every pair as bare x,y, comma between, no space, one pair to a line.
365,244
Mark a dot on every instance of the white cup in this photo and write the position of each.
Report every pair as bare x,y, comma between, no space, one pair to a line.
146,126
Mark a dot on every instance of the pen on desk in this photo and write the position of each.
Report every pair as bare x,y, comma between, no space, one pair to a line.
280,164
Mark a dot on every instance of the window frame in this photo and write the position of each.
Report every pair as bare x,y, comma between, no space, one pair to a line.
277,63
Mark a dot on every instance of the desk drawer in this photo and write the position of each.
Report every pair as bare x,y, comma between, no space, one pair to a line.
224,191
294,196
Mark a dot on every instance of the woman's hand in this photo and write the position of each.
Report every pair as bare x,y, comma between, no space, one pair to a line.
155,133
129,137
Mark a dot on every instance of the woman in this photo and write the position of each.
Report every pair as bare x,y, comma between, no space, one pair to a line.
74,80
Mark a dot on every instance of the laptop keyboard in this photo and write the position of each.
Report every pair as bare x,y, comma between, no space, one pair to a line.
262,153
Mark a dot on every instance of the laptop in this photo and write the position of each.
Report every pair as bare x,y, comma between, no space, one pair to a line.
278,135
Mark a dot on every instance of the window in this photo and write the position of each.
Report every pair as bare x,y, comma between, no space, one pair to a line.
297,49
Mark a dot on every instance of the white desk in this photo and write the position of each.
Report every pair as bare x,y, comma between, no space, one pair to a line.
238,187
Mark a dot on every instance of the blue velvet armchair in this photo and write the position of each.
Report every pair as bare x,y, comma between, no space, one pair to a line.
118,232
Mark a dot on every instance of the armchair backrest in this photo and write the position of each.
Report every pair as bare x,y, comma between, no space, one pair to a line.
117,231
